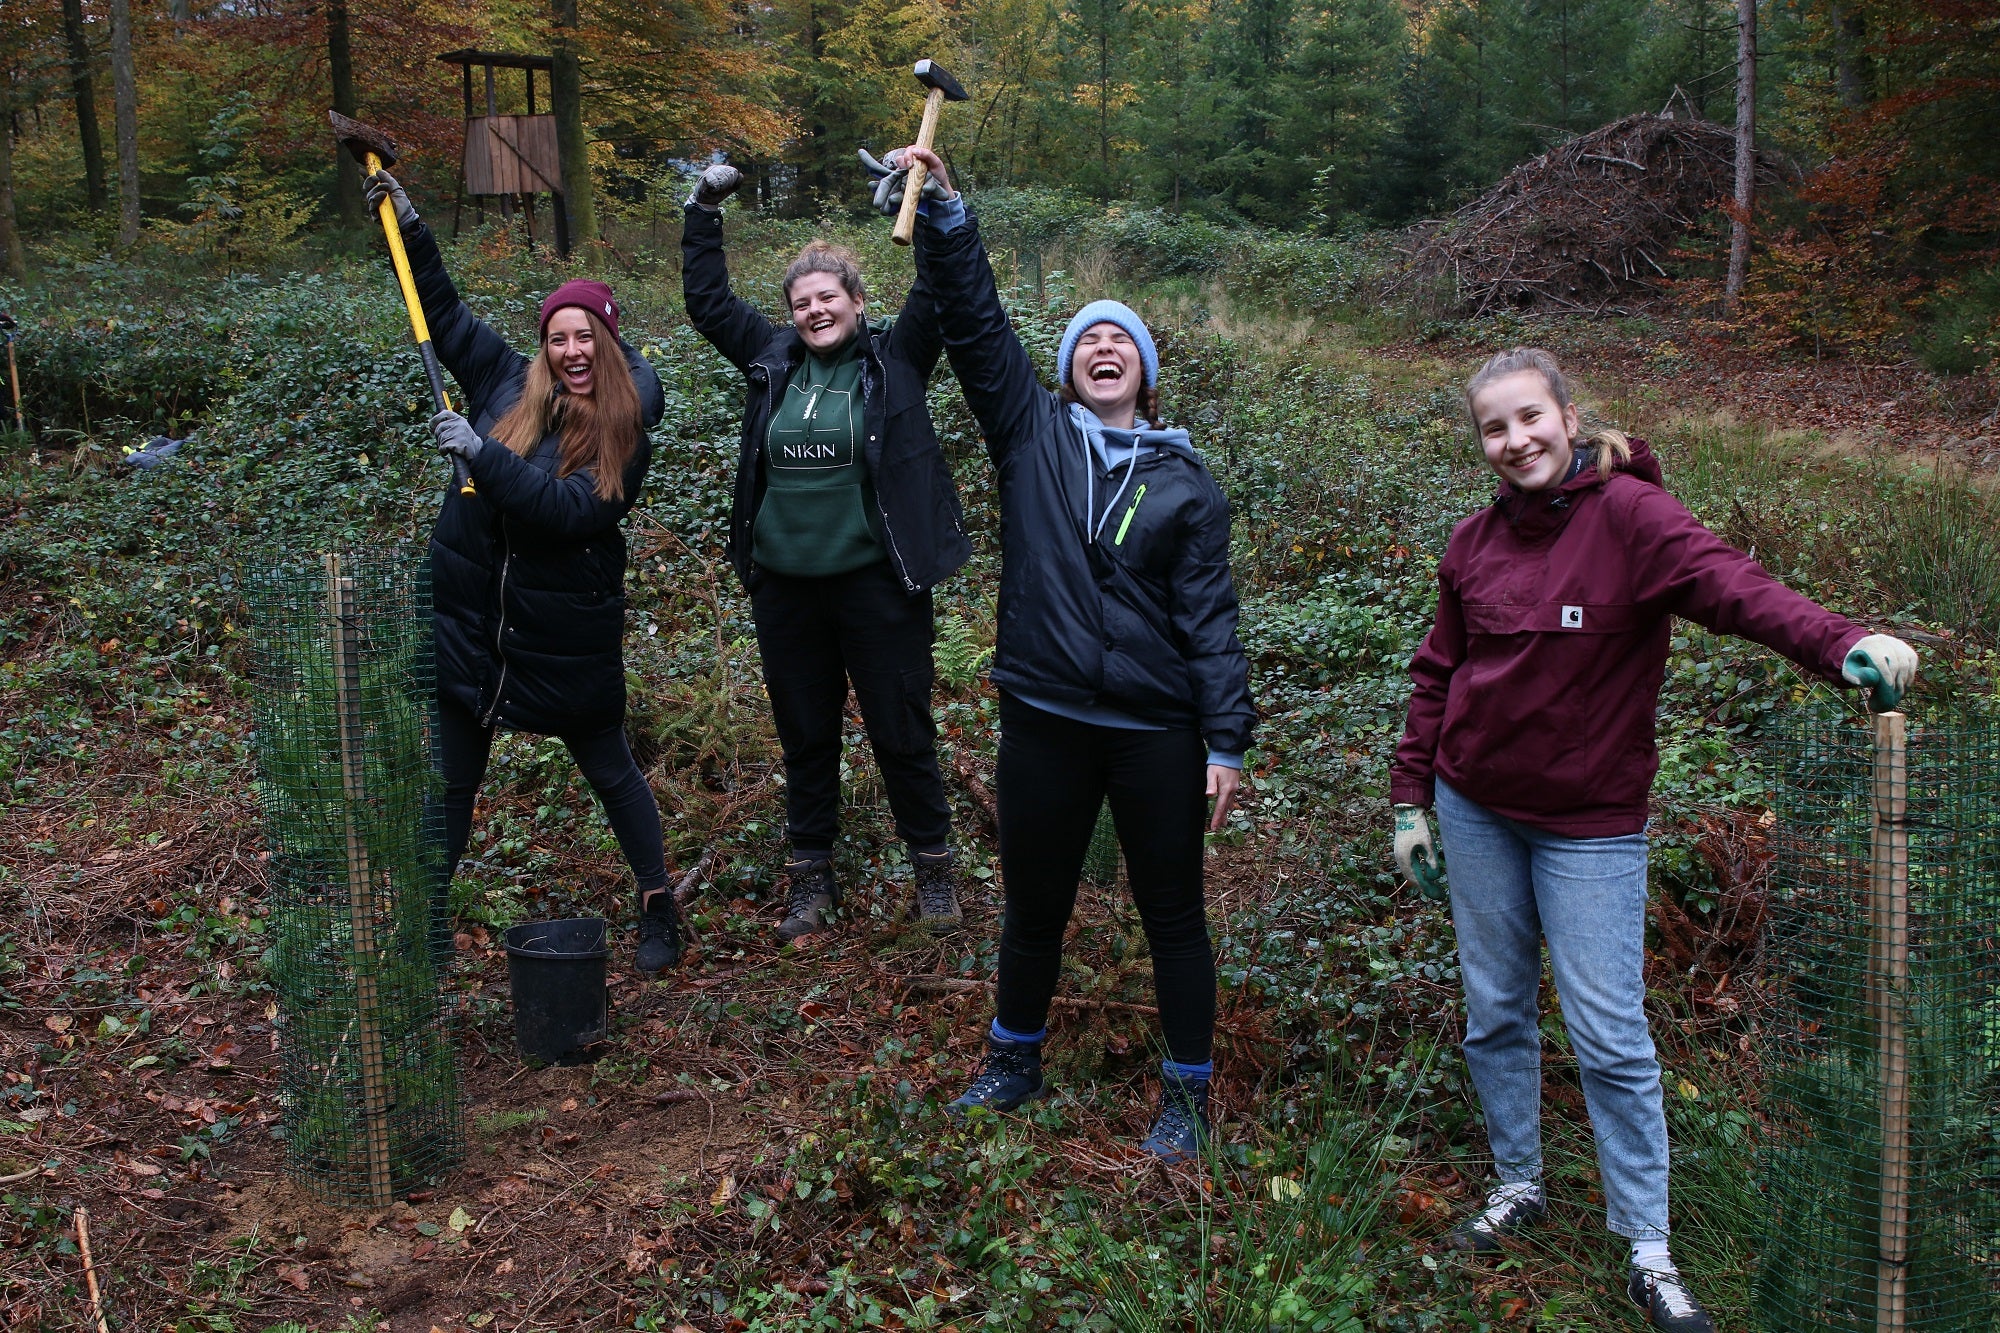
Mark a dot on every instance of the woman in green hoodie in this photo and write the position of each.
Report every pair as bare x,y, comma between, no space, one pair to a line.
844,518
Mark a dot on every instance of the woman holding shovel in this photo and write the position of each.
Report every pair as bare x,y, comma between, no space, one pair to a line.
844,517
528,572
1531,731
1119,668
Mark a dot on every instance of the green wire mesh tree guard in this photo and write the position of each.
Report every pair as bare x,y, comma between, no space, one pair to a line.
345,705
1881,1166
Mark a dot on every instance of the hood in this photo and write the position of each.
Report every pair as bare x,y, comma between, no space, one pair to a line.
1534,514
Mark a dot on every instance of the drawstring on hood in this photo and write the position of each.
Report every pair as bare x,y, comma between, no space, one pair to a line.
1114,447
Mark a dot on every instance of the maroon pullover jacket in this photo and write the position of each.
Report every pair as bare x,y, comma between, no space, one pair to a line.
1537,686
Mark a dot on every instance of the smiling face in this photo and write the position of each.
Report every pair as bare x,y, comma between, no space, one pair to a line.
1107,374
571,346
823,311
1526,436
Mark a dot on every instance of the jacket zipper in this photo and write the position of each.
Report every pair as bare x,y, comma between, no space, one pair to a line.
500,632
895,552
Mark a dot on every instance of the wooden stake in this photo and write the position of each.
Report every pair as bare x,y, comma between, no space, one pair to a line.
1889,891
90,1270
366,953
14,380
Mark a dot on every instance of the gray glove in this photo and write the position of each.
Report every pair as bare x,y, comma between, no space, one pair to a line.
456,437
716,184
890,177
381,185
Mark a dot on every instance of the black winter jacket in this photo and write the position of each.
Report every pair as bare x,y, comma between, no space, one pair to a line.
1146,625
528,575
922,524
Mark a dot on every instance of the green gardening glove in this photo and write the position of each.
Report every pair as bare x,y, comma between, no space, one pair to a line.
1417,855
1884,666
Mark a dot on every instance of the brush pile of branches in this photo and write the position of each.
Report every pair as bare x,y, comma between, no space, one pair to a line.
1586,227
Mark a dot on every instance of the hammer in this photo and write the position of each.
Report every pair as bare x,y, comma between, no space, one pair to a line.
375,150
942,88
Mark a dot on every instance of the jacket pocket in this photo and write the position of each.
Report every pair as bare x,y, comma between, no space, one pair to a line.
1553,616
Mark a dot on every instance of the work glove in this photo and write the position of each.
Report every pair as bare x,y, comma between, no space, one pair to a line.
715,184
1884,666
1416,855
890,177
456,437
380,185
6,319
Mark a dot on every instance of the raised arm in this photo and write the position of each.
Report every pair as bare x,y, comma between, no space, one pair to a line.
992,366
467,346
732,325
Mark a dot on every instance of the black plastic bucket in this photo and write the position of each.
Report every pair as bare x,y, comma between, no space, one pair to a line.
555,970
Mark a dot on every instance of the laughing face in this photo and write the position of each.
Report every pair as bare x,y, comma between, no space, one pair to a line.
1107,373
571,347
823,311
1526,436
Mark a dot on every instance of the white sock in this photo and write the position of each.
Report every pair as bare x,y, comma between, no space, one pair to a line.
1652,1255
1507,1191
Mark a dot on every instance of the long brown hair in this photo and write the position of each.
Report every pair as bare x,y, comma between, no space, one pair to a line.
600,429
1611,445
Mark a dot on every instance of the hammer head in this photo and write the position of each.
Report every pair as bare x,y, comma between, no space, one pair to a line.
933,75
361,140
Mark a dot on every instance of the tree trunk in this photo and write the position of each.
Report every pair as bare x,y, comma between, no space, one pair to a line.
340,61
1852,72
566,91
1746,149
125,87
83,89
12,262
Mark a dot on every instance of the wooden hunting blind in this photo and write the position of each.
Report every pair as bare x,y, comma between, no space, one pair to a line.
511,158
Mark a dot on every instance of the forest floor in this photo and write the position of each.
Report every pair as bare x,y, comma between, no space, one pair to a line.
760,1144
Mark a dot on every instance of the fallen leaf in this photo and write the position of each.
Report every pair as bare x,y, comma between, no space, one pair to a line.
460,1219
723,1192
296,1275
569,1104
58,1023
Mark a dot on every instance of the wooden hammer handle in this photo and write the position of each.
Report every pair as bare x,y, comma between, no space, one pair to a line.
913,185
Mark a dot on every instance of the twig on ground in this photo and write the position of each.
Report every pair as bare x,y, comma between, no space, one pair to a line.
90,1269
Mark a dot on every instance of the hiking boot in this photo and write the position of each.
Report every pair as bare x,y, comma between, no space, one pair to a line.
1013,1075
937,893
659,930
1668,1304
1505,1213
813,892
1181,1128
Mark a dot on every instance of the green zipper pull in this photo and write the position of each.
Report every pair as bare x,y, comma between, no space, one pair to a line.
1137,496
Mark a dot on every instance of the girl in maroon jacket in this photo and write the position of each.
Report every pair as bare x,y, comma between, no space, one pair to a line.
1531,731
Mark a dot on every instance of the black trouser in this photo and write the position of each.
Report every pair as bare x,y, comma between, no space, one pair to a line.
1054,775
815,636
607,764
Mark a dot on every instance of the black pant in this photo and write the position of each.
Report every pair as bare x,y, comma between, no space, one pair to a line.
815,636
607,764
1054,775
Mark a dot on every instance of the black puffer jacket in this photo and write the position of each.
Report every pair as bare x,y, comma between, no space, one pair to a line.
922,524
1146,624
528,575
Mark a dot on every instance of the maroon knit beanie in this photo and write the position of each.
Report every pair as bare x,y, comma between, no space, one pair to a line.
585,294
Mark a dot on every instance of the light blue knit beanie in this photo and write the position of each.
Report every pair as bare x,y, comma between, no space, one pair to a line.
1109,312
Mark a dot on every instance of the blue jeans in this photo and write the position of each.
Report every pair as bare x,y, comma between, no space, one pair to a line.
1512,887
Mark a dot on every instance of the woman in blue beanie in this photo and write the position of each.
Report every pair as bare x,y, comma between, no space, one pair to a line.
1119,669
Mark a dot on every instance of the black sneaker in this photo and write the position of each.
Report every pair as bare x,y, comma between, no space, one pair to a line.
1181,1128
659,931
1668,1304
1497,1219
813,893
937,893
1013,1075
